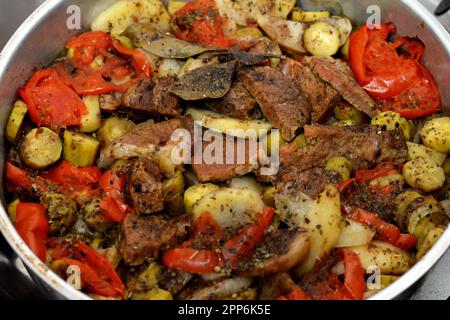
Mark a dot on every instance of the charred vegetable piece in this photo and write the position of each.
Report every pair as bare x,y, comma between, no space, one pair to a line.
15,121
174,48
80,149
40,148
61,210
94,218
212,81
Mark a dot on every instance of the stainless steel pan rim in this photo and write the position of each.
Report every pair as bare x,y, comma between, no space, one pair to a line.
54,282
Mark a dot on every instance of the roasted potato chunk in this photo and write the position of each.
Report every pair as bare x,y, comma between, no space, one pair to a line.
436,134
424,174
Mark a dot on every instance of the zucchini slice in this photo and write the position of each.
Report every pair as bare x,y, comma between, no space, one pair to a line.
80,149
40,148
91,121
15,121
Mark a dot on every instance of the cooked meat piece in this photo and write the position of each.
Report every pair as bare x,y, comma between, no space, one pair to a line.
145,140
363,145
339,75
280,251
153,99
361,196
109,103
280,101
144,237
322,97
237,103
276,285
224,167
311,182
173,280
145,187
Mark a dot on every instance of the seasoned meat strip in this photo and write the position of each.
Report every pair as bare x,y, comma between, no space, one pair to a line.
144,237
339,75
279,100
237,103
363,145
153,99
145,187
322,97
311,182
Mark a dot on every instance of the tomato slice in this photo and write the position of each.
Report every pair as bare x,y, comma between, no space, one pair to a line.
18,178
50,102
70,176
294,293
192,260
354,281
114,210
406,242
32,225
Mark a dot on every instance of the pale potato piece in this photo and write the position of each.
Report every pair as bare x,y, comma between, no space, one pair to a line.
169,68
117,18
343,25
424,174
390,260
417,150
288,34
321,40
436,134
247,183
243,11
354,234
230,207
322,218
195,193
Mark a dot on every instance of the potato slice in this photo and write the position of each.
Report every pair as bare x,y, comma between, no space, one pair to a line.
288,34
354,234
15,121
417,150
40,148
229,207
424,174
117,18
80,149
436,134
308,16
246,183
322,218
195,193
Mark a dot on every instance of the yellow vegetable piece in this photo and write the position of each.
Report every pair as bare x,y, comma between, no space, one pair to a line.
321,39
308,16
195,193
268,196
391,121
12,210
341,165
417,150
40,148
424,174
113,128
154,294
80,149
15,121
174,5
436,134
91,121
150,276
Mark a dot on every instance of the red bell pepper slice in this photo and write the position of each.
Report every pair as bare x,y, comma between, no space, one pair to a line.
406,242
388,168
113,205
248,238
50,102
139,61
294,293
18,178
113,209
354,281
192,260
32,226
97,273
386,231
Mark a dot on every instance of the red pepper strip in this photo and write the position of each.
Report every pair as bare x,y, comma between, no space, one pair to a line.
387,232
18,178
101,265
247,238
50,102
113,205
32,226
344,185
358,42
139,61
366,176
89,45
191,260
406,242
354,281
93,282
295,293
207,229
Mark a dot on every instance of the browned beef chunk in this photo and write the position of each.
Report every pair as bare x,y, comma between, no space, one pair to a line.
363,145
280,101
311,182
237,103
153,99
339,75
145,187
281,250
144,237
225,169
109,103
322,97
145,139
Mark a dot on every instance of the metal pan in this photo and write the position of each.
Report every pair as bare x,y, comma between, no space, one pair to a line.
38,41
